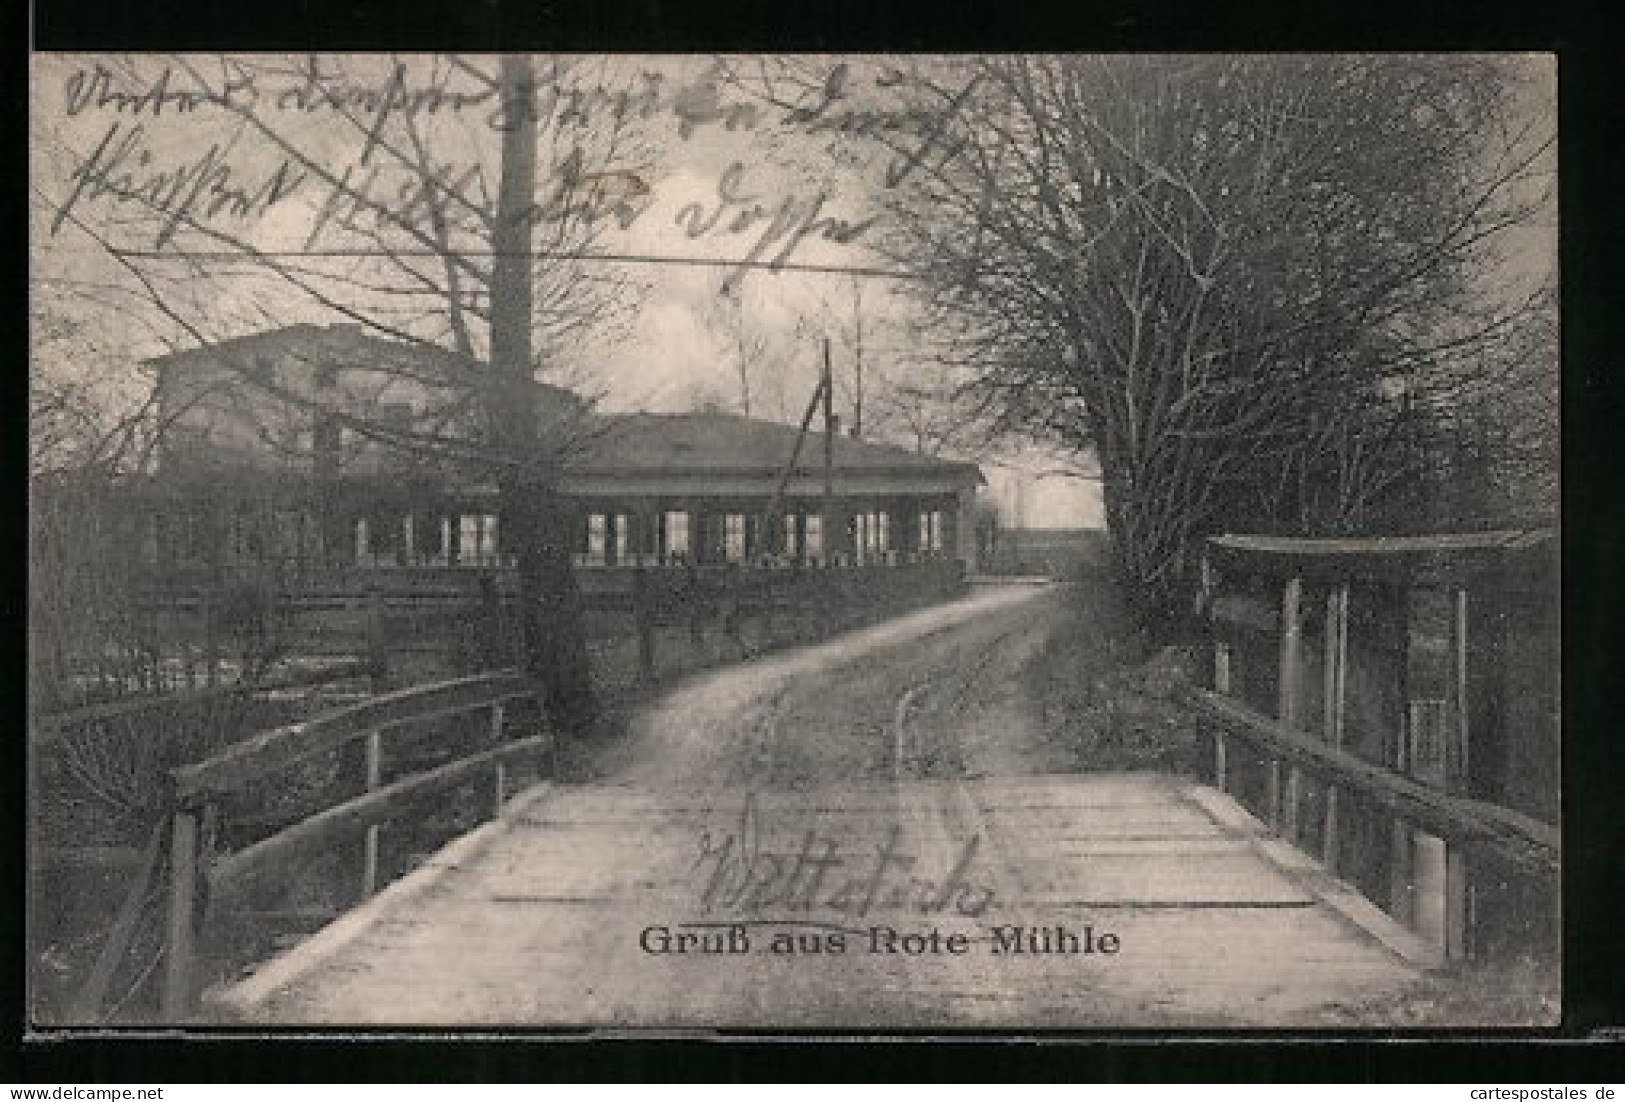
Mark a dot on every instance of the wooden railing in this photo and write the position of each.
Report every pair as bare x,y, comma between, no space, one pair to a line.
1485,846
195,878
98,787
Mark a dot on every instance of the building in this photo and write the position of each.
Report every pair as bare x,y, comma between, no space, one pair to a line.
315,449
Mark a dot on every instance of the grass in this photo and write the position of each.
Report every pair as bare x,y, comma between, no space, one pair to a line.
1101,691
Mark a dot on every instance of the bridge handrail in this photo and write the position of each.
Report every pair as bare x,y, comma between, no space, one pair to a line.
194,879
368,809
1455,818
247,761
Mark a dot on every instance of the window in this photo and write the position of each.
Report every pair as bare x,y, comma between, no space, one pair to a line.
477,539
379,540
733,537
813,535
871,534
676,533
623,538
931,531
596,531
428,536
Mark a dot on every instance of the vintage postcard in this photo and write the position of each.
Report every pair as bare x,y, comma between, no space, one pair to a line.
758,543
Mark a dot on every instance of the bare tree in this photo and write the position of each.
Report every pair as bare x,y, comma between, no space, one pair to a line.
445,203
748,343
1220,274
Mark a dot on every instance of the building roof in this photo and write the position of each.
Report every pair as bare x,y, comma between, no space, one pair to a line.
349,345
715,441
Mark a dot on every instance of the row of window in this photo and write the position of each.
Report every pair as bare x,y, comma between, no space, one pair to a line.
472,539
737,537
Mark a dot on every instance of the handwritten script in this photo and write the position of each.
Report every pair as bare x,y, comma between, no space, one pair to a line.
389,179
742,873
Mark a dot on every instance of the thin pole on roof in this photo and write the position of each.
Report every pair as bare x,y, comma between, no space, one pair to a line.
776,502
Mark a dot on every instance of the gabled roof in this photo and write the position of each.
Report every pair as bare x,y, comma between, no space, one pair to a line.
715,441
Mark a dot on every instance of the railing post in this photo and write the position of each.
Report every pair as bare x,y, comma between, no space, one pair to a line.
377,640
1290,800
180,931
695,636
1221,684
1458,761
369,850
1272,792
1401,872
1290,699
643,617
1330,827
1335,663
500,780
1457,899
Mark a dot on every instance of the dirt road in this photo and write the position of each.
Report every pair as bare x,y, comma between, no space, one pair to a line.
865,834
931,695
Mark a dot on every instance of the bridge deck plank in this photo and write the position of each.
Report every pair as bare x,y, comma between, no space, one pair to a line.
541,926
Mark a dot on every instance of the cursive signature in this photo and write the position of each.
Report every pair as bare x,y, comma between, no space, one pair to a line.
743,874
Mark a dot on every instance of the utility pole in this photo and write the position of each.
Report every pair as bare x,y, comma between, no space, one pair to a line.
535,516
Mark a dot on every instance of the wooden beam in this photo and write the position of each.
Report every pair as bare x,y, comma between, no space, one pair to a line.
1451,817
86,1007
1457,904
1284,799
1333,663
1459,760
1290,687
369,850
374,807
248,761
180,931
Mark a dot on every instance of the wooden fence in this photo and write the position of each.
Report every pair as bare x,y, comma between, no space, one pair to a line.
645,624
202,880
1364,821
98,797
1352,734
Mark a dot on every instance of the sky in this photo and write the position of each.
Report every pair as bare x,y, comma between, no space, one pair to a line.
716,176
707,173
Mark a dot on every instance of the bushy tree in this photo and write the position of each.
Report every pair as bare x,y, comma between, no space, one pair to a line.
1237,280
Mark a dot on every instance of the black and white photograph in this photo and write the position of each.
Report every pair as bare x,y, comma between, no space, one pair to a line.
1023,543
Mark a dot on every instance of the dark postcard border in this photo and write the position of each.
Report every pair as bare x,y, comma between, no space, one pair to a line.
1593,127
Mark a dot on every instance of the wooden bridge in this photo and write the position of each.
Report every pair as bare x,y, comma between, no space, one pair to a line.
1246,895
1041,902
